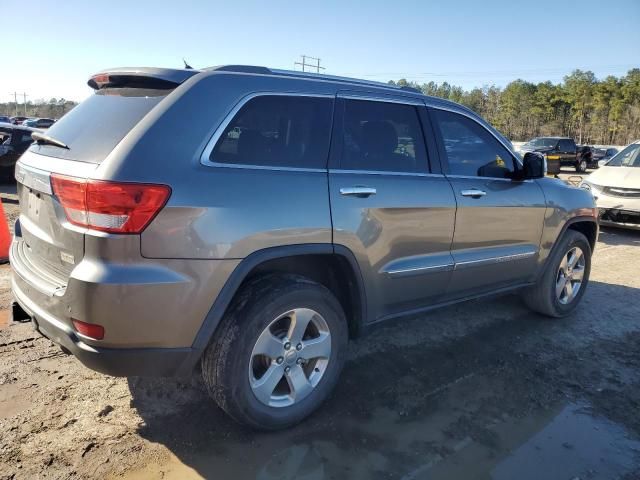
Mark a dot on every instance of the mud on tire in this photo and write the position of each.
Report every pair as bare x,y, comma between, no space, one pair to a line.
542,296
227,360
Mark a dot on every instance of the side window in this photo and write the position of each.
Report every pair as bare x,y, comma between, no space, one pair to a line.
278,131
565,145
382,136
470,149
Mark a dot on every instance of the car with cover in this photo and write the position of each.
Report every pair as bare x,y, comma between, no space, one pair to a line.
296,212
616,189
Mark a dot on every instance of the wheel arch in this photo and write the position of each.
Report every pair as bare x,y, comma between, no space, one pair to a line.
335,267
586,225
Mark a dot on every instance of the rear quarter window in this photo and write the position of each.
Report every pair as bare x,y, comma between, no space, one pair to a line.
97,125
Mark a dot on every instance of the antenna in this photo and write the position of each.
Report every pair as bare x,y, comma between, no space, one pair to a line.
186,65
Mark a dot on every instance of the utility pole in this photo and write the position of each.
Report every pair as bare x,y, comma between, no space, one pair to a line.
305,64
15,100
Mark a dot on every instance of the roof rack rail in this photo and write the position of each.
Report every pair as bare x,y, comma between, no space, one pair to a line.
241,69
410,89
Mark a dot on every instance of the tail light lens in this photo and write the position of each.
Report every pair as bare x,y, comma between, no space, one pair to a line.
91,330
113,207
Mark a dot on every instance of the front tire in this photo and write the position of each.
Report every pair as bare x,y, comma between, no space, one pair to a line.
278,352
564,281
581,166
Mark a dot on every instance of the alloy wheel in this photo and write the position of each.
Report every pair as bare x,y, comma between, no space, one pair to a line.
290,357
570,275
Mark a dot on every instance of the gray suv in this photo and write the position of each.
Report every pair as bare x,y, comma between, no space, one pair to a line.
252,221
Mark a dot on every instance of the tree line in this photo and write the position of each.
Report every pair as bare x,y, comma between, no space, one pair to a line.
592,111
54,108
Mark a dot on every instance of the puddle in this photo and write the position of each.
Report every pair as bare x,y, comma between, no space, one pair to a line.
458,432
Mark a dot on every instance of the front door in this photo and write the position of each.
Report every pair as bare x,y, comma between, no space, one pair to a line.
499,221
388,207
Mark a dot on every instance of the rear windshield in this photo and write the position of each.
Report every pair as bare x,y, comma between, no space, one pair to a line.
92,129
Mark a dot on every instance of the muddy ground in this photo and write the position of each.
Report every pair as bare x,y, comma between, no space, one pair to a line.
479,390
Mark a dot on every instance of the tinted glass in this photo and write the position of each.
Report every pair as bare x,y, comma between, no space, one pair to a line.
470,149
629,157
278,131
381,136
96,126
543,142
565,145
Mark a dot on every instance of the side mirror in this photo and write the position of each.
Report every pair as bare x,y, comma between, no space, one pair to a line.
534,165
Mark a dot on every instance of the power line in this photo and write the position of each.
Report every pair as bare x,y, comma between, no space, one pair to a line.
304,63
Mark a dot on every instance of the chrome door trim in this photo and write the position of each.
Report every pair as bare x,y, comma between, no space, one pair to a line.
380,97
498,179
493,260
33,178
404,272
385,172
211,143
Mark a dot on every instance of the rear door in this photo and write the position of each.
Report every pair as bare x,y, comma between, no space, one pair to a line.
498,221
388,206
567,150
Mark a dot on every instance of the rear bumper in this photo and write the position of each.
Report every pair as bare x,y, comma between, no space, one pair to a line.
157,362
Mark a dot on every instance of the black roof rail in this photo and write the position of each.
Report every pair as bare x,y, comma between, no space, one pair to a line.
410,89
241,69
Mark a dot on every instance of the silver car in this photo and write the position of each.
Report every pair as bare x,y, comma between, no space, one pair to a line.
293,213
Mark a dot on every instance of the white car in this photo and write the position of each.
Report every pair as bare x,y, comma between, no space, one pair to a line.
616,189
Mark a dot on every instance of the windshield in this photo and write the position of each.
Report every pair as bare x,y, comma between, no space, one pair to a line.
629,157
97,125
543,142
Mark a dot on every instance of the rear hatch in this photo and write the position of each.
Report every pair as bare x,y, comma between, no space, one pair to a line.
48,244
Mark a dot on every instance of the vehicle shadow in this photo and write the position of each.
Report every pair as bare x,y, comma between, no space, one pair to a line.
413,394
619,236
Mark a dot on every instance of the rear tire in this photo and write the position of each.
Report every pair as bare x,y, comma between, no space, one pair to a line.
549,295
244,365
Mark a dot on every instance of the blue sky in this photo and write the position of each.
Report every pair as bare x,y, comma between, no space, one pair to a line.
467,43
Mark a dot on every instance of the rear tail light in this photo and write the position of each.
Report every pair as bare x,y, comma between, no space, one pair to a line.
113,207
91,330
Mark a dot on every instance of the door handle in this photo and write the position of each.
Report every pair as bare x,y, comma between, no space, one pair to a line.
360,192
473,192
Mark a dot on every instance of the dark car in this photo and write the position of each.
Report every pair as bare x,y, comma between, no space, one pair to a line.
14,141
561,151
4,119
602,155
18,120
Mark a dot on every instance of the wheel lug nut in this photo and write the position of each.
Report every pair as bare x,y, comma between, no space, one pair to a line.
299,346
279,360
299,361
287,369
287,346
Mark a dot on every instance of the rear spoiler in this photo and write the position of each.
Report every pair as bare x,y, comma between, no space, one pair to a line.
161,78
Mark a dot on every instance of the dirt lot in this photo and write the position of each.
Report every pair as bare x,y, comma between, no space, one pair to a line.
480,390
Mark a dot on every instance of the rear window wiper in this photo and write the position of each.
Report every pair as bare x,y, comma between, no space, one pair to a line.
42,139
